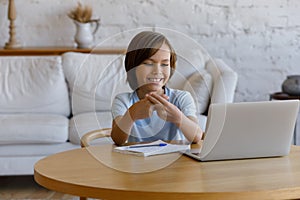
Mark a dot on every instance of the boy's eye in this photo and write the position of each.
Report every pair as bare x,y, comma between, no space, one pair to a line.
148,63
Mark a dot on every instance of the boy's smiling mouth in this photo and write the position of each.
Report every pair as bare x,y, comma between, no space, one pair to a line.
155,80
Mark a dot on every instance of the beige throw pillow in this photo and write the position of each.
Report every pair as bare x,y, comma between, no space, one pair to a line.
200,86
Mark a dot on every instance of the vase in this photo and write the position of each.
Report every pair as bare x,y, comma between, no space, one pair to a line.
85,33
291,85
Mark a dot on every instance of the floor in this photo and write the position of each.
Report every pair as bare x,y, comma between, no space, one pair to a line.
24,187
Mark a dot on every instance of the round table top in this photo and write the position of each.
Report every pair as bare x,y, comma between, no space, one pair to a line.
98,172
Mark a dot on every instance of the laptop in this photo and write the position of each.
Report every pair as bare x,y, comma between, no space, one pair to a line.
248,130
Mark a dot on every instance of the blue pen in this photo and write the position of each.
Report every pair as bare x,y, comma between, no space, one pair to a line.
150,145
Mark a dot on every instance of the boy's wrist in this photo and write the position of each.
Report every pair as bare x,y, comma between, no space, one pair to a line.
178,122
130,114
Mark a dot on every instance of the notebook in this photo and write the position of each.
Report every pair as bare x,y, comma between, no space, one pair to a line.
154,148
248,130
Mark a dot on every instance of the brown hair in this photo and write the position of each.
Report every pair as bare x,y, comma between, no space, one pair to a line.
143,46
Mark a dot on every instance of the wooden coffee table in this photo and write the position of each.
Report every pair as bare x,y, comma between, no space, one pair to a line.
97,172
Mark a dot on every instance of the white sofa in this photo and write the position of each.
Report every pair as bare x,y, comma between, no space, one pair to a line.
48,102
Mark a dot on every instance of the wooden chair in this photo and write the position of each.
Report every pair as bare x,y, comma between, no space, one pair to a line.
92,135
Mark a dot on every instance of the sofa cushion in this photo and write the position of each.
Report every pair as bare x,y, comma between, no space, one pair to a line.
199,85
33,129
28,150
86,122
94,80
33,85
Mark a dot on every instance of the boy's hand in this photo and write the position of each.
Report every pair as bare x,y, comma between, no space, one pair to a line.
141,109
165,110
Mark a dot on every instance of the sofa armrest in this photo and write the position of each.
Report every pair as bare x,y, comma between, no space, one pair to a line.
224,81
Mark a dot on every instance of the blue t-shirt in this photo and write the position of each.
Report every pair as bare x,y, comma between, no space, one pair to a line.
154,128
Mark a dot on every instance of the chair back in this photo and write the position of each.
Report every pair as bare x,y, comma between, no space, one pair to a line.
92,135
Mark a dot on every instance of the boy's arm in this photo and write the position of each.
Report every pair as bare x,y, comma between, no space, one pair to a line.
122,125
190,128
121,128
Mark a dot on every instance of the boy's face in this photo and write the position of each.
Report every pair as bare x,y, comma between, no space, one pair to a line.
154,72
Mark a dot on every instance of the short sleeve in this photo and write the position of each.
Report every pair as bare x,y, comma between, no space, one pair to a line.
187,104
120,105
182,100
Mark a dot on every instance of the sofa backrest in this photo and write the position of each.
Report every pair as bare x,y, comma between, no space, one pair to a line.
191,75
94,80
33,84
189,62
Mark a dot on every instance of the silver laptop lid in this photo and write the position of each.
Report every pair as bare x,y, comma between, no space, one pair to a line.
249,129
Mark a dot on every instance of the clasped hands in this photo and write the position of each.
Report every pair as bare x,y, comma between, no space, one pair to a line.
155,102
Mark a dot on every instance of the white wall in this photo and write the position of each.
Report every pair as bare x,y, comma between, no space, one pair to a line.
260,39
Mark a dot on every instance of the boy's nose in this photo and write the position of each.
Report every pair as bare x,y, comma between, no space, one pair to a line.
156,68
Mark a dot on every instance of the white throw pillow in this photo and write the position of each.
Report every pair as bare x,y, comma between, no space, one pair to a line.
94,80
33,84
199,84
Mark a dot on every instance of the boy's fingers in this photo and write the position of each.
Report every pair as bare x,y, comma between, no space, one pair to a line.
162,113
165,97
151,108
154,100
159,98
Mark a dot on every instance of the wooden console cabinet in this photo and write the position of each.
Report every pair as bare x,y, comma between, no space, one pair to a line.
38,51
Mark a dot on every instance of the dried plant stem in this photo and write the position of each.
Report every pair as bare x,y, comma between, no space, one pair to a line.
81,13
